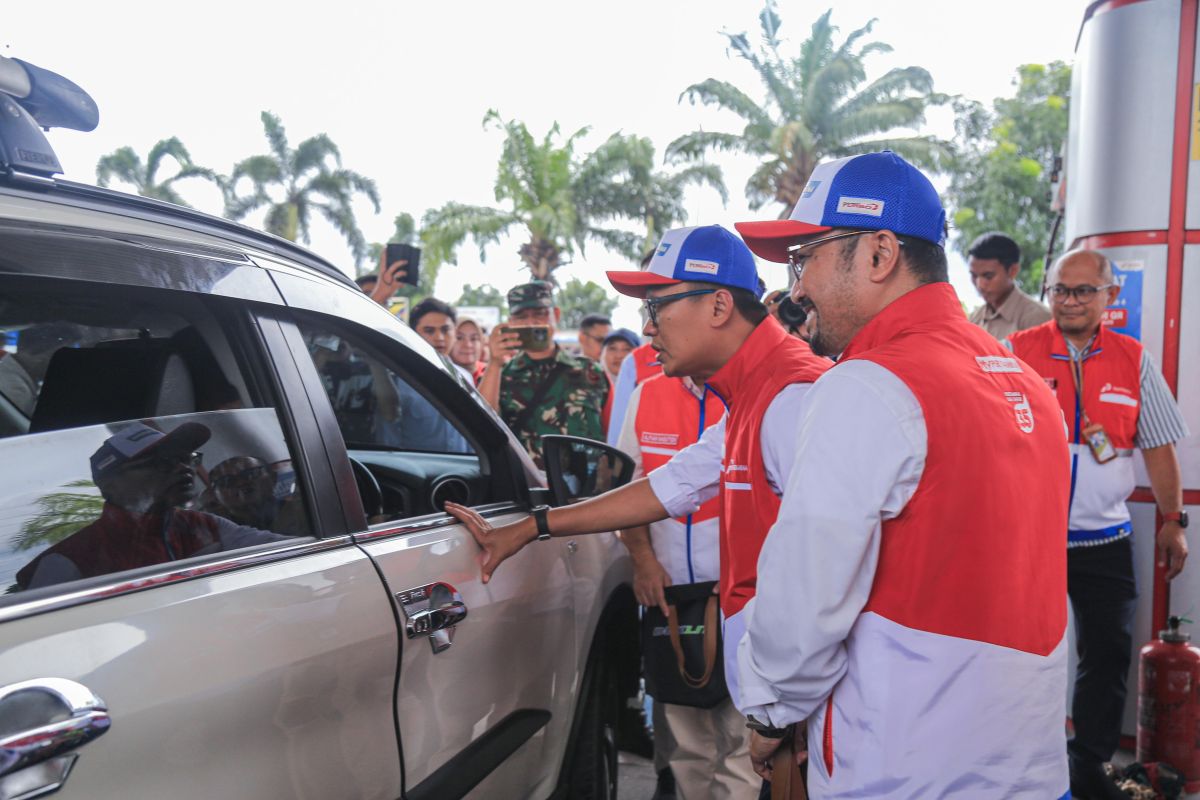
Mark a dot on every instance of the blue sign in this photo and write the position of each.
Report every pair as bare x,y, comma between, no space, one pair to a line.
1125,315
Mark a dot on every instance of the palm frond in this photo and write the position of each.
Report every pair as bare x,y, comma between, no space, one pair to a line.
172,147
444,229
696,144
713,92
312,152
124,164
276,137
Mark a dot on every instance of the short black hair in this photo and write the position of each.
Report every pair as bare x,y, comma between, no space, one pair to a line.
430,305
748,305
997,246
592,320
925,260
370,277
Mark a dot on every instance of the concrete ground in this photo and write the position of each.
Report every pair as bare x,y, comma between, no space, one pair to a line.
635,777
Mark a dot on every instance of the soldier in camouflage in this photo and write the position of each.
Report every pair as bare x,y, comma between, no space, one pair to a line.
543,391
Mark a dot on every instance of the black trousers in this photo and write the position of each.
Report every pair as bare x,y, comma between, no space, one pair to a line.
1103,592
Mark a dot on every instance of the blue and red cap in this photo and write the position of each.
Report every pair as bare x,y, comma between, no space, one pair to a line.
708,253
875,191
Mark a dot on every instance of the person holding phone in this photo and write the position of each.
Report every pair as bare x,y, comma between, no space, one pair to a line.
536,386
398,265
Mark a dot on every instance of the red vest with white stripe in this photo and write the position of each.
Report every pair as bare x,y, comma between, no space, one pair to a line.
668,420
645,362
977,552
956,667
767,361
1112,397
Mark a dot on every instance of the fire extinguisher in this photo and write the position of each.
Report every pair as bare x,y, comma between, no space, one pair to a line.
1169,704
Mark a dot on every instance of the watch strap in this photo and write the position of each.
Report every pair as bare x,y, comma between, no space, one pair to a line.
1180,517
543,525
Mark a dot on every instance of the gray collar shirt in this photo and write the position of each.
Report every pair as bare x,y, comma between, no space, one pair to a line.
1018,312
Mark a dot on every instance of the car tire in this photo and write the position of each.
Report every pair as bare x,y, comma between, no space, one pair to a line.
594,762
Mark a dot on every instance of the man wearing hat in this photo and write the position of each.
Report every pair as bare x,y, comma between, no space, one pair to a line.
617,345
546,390
705,318
144,475
911,602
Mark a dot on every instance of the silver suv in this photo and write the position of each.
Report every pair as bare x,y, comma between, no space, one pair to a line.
225,565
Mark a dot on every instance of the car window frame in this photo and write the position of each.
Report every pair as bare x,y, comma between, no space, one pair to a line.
250,333
499,462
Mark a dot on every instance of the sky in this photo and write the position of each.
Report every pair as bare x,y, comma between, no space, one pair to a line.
403,87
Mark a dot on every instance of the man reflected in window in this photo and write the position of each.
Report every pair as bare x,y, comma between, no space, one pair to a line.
145,476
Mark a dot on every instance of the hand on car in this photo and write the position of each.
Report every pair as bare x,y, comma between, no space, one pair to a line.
649,582
390,277
497,543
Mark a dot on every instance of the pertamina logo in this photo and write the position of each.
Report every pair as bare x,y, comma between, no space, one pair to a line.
860,205
1021,410
809,189
706,267
997,364
662,251
649,437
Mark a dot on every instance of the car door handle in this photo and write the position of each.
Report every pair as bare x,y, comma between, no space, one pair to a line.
87,719
432,610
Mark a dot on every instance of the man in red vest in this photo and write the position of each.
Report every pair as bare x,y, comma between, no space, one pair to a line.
1114,399
705,318
910,602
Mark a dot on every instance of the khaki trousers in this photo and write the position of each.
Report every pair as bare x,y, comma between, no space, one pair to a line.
711,754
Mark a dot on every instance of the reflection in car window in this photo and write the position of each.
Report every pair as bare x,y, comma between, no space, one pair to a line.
375,407
129,438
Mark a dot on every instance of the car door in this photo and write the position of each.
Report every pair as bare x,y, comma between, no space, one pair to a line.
175,624
487,672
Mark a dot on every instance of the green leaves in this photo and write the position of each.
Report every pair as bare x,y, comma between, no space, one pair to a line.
126,166
1001,177
577,299
813,106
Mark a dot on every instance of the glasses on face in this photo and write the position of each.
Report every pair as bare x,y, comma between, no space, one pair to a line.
164,463
653,304
245,479
798,259
1082,294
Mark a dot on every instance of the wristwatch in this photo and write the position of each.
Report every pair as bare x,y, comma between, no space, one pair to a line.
1180,517
539,517
764,730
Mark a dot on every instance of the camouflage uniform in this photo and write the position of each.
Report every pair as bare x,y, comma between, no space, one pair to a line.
574,402
572,405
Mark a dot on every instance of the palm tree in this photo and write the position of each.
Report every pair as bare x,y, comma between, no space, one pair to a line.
545,189
59,515
815,107
291,184
125,165
622,181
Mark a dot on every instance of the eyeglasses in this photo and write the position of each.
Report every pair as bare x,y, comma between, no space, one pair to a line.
1082,294
796,260
241,480
653,304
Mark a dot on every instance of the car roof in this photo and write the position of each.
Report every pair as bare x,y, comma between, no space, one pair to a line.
152,210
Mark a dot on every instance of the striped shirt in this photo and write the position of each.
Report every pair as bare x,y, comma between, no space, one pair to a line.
1159,419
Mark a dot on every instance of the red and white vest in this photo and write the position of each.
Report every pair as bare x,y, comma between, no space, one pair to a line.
645,363
767,361
956,667
1112,371
669,418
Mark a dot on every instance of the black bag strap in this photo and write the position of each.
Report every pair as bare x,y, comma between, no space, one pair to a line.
710,643
539,394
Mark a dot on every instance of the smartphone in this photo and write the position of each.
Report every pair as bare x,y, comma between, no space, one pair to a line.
406,252
533,337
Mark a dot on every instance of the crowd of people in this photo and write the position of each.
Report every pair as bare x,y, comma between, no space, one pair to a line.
893,607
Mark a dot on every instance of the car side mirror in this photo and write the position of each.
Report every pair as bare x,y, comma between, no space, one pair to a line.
579,468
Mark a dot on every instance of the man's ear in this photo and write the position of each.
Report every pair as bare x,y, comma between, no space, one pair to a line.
723,307
1012,270
885,255
1113,292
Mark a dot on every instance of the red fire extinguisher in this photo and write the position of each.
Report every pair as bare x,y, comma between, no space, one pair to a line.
1169,704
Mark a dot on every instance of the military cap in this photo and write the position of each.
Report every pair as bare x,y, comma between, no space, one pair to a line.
535,294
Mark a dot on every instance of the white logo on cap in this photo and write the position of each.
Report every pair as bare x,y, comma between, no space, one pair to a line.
860,205
696,265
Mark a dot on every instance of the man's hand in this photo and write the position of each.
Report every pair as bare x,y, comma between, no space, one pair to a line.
503,344
390,277
1171,544
762,751
649,581
498,544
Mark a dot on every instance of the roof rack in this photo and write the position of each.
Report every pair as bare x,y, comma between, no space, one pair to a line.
33,99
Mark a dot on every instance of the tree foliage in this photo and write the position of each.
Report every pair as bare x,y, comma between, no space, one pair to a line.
292,184
404,232
561,199
1001,177
816,104
126,166
59,515
483,295
577,299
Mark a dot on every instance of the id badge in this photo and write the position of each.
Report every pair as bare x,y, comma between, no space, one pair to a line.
1098,441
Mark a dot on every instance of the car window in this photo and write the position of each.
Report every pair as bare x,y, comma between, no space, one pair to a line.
375,407
131,435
